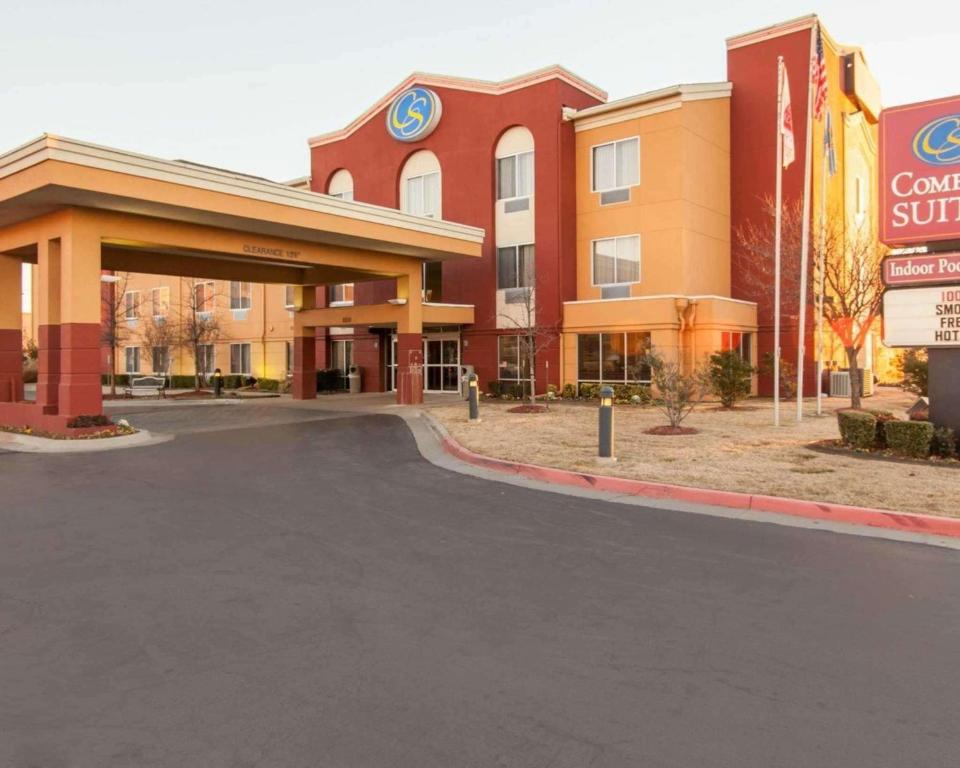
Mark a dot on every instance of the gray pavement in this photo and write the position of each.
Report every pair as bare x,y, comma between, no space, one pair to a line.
289,587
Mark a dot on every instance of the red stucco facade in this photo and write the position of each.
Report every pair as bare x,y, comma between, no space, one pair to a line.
464,142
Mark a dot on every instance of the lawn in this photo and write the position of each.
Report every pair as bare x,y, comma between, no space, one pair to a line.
737,450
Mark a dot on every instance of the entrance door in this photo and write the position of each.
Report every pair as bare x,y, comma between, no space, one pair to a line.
441,362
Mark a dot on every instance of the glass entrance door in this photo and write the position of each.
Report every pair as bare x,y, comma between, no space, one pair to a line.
441,363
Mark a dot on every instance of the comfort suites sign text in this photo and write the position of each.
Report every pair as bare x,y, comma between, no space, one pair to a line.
920,172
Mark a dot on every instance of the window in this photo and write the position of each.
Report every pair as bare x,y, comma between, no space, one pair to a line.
132,359
203,296
614,358
206,358
160,301
161,359
240,359
515,176
432,281
423,195
513,363
131,305
616,165
515,266
289,356
340,294
738,342
289,296
341,355
616,260
341,185
241,295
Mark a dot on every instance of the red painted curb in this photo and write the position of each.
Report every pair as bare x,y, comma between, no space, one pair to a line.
813,510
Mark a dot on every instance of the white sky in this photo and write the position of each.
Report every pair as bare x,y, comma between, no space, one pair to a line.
242,84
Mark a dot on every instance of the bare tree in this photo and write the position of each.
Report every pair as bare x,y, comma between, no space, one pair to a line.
676,393
199,323
847,259
160,332
114,328
853,294
534,338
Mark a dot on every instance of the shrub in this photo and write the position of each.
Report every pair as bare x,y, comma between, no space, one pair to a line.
30,374
678,392
880,440
913,367
589,391
944,443
494,388
730,377
268,385
234,381
788,375
569,392
183,381
329,380
858,429
625,393
909,438
122,379
97,420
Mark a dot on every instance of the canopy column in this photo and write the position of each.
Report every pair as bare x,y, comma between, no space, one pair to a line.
11,333
304,384
410,341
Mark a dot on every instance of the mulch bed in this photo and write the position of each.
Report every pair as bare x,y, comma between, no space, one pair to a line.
528,409
195,395
666,429
835,447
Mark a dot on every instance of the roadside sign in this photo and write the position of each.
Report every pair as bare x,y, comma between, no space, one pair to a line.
921,269
922,317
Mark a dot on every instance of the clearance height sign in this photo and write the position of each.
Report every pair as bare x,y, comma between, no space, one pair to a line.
920,172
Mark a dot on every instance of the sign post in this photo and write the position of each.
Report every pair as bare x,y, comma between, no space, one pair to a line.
920,210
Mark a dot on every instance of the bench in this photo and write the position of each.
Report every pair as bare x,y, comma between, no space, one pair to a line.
146,385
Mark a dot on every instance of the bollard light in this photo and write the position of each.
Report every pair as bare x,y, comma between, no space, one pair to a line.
605,448
473,397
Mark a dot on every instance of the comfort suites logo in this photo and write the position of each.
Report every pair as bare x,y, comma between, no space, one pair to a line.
938,142
414,114
920,172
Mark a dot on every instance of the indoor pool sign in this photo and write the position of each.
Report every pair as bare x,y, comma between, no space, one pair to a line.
414,114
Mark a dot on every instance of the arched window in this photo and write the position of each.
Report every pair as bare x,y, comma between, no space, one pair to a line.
420,185
515,164
341,185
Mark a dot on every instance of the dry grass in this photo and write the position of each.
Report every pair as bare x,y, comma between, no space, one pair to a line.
734,450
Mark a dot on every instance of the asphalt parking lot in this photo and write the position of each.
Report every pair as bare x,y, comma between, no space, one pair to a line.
273,588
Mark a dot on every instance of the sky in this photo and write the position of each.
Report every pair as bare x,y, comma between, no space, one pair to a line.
242,85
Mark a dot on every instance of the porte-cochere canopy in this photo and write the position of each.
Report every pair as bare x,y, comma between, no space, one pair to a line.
75,209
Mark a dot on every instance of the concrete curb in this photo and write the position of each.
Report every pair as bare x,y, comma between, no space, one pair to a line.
908,522
16,443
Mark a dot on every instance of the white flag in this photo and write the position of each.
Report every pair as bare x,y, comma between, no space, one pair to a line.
786,120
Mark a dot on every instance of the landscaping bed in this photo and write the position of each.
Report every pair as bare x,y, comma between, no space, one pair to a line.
734,450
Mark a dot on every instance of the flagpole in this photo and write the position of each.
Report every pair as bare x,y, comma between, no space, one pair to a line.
776,249
805,236
822,244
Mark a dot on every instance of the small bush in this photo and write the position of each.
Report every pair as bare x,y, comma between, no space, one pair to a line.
909,438
569,392
858,429
730,377
97,420
268,385
494,388
122,379
589,391
183,381
880,442
625,393
913,367
944,443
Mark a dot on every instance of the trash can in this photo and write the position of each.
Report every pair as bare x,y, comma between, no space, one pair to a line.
465,371
354,385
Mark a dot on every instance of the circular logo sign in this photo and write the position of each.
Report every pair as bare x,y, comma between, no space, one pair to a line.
413,114
938,142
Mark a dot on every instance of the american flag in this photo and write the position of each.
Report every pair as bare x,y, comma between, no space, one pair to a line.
818,78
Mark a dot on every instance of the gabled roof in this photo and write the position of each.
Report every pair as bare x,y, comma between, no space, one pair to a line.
464,84
642,104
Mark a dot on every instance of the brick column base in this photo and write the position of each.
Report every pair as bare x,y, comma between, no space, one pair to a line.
409,368
80,392
11,365
304,368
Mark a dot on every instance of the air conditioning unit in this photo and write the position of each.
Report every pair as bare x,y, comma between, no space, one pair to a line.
840,383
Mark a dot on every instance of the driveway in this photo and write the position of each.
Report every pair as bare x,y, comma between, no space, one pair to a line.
272,591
